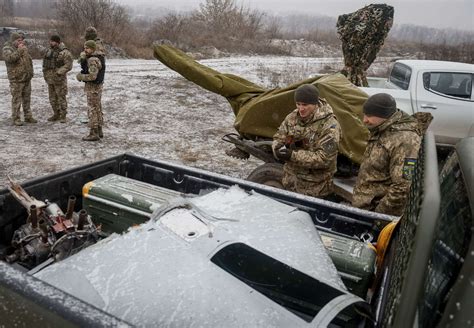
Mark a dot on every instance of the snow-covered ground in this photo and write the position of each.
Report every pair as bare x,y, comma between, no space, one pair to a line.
149,110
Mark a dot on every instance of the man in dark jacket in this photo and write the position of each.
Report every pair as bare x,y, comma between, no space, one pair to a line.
391,155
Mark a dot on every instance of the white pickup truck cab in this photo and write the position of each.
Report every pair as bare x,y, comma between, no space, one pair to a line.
442,88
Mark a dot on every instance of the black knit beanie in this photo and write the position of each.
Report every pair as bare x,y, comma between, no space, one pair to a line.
307,93
381,105
55,38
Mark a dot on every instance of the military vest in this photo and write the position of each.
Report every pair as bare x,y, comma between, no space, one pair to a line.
100,75
51,60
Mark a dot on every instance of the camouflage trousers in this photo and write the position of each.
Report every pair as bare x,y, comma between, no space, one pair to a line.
21,96
94,111
320,189
57,98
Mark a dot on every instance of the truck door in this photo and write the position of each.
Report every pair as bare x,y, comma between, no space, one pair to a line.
449,98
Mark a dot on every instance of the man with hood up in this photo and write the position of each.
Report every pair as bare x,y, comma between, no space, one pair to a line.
19,72
91,35
57,61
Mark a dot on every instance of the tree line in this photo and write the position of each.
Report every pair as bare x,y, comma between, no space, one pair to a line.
225,24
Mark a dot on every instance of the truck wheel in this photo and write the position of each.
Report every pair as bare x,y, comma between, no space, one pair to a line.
269,174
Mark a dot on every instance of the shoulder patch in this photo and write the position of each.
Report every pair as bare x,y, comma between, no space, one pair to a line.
409,168
330,146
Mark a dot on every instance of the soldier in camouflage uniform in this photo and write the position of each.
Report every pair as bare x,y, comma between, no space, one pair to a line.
307,140
92,73
57,62
391,155
91,34
19,72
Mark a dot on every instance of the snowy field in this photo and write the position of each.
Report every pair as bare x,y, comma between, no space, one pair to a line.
149,110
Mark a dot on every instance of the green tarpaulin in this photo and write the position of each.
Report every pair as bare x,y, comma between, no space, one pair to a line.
259,112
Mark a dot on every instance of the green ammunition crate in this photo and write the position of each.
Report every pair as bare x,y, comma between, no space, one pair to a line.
117,202
354,260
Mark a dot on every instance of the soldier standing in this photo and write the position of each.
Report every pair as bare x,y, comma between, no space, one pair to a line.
56,63
91,34
390,157
92,73
19,72
307,140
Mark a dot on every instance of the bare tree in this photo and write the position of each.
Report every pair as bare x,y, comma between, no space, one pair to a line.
6,11
111,19
225,17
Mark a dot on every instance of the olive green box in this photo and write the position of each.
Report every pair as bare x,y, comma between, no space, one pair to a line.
117,202
354,260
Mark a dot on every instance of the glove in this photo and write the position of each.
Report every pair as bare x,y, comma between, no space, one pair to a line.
82,57
283,154
79,77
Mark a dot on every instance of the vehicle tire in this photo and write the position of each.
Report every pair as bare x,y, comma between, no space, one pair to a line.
269,174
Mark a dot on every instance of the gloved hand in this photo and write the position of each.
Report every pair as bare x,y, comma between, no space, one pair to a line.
283,153
82,57
79,77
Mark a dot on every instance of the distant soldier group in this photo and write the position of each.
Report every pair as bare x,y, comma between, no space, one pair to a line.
307,141
57,62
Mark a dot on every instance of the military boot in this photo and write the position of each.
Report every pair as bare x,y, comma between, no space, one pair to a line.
62,118
17,122
100,132
93,135
30,119
53,118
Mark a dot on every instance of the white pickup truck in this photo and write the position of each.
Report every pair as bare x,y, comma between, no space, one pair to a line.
444,89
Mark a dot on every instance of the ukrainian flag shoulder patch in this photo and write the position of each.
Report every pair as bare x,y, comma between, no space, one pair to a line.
409,168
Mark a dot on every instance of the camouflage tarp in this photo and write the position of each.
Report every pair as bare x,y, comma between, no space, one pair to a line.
259,112
362,34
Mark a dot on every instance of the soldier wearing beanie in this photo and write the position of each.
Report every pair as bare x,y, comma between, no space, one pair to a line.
57,62
15,36
19,72
92,74
390,157
307,142
91,35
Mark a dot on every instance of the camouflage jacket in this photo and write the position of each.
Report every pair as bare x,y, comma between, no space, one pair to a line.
100,48
315,144
93,68
18,62
385,174
57,62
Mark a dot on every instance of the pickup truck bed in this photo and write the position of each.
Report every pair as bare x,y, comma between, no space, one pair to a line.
436,229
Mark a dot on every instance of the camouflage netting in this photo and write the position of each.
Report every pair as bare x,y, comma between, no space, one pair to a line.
259,112
362,34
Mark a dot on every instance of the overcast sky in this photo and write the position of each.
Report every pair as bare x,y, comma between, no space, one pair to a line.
458,14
